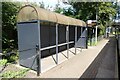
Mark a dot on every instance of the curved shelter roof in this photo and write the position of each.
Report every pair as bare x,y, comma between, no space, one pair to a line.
29,13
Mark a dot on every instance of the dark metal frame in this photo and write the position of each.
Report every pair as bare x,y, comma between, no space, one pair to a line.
54,46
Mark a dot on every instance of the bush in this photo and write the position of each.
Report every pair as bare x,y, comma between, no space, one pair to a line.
10,56
3,62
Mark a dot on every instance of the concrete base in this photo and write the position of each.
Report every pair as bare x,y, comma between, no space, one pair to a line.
50,62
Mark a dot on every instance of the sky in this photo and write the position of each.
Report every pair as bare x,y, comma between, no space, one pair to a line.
51,3
54,2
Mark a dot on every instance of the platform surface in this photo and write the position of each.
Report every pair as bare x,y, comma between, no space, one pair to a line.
94,62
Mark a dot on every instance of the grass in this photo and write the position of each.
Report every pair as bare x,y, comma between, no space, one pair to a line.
93,43
14,74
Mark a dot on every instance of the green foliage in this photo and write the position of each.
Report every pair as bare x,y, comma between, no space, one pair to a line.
65,11
106,10
92,42
88,11
58,9
84,10
42,5
102,29
12,58
9,32
68,12
14,74
3,62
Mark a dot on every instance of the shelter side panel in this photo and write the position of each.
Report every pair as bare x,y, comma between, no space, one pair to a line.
27,40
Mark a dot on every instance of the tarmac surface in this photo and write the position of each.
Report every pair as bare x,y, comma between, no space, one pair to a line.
104,64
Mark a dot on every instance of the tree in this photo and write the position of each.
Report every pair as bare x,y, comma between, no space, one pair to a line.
42,5
88,10
9,18
58,9
0,27
106,11
69,11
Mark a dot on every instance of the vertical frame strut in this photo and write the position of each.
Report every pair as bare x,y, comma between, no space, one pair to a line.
67,40
56,43
75,38
39,52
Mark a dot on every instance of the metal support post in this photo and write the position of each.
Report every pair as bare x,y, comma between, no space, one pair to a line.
97,11
91,33
86,37
38,52
56,43
96,35
38,60
81,35
75,39
115,31
67,40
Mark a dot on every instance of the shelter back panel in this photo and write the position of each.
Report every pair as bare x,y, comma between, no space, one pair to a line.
44,34
48,52
48,35
48,38
62,48
61,34
71,33
71,36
